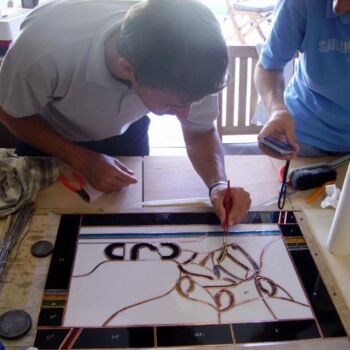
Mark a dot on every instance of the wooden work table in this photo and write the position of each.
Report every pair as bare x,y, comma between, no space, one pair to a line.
173,178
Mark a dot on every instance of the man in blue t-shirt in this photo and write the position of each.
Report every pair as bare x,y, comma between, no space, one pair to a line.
313,113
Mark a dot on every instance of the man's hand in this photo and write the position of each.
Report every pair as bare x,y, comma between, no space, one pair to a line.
281,128
104,173
270,86
240,203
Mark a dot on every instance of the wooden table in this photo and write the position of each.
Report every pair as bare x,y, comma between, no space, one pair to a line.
175,178
163,178
59,199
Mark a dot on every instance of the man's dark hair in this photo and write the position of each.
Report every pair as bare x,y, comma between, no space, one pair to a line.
175,46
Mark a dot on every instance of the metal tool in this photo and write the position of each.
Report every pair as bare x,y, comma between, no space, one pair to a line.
79,190
283,189
226,226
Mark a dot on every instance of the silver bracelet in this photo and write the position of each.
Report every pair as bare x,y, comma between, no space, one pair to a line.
218,183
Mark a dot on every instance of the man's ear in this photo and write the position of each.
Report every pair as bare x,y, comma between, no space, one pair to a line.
126,69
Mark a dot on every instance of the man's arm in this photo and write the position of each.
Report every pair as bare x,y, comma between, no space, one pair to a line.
270,86
205,152
103,172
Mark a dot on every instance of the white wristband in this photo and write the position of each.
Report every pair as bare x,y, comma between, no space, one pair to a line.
218,183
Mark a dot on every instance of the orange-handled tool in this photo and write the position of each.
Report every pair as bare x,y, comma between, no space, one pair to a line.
78,189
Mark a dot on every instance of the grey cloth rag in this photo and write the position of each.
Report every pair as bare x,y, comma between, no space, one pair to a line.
22,177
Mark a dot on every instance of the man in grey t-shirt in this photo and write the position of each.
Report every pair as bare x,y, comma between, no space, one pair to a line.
83,73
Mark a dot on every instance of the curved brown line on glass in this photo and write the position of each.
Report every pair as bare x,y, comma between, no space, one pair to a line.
271,284
245,254
93,270
193,273
181,293
109,319
194,255
264,251
264,301
205,259
231,274
292,301
231,302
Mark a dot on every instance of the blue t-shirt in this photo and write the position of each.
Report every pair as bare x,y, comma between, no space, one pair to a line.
318,96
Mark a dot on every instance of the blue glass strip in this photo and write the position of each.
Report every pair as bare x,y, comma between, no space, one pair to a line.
176,234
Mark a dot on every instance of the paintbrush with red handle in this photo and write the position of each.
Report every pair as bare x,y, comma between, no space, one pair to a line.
226,226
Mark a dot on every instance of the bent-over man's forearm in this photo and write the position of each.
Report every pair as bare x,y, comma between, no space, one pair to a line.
35,131
206,155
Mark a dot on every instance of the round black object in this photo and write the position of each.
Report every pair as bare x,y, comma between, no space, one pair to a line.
41,249
14,323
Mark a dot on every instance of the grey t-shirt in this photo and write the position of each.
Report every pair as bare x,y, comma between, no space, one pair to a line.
56,68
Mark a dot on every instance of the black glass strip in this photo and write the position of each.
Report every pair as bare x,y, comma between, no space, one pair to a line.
171,219
291,219
149,219
258,217
194,335
275,331
50,317
110,338
50,338
321,302
63,255
291,230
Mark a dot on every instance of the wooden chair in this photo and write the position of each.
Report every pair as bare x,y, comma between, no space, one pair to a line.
253,13
238,101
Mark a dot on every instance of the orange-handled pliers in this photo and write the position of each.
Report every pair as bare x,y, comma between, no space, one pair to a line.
79,190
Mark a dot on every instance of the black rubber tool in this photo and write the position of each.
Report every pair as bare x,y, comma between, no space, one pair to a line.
305,179
312,176
14,324
41,249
